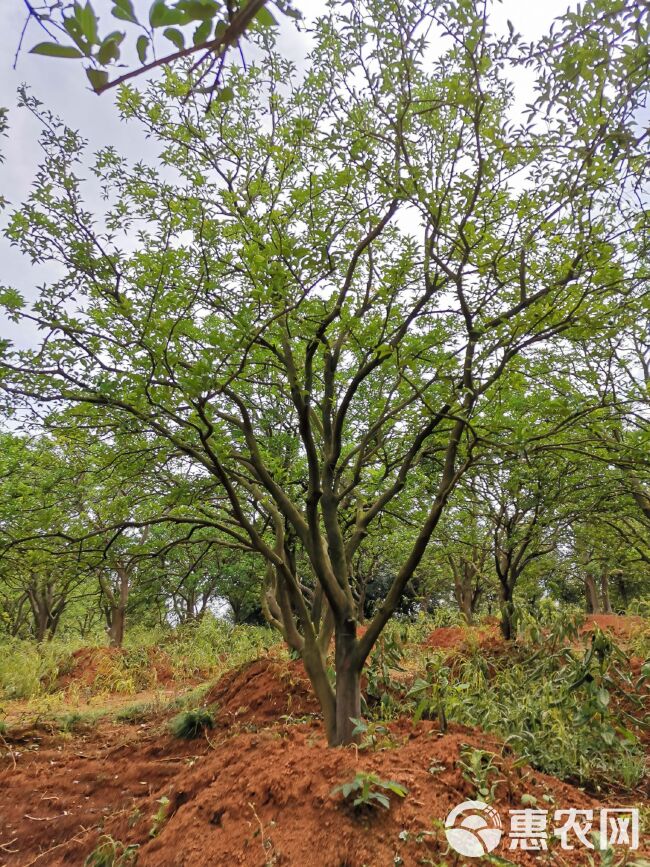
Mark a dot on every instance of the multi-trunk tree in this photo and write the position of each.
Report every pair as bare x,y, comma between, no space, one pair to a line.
325,282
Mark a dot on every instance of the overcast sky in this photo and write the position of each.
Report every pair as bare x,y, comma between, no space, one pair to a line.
62,86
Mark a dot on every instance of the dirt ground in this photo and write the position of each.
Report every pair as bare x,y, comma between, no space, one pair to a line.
256,790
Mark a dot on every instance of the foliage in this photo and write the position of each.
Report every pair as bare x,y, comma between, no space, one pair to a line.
112,853
160,816
206,649
372,735
210,28
28,670
191,723
573,724
370,791
344,302
478,767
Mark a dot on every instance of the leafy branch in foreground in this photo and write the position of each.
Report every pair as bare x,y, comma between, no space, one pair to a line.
208,28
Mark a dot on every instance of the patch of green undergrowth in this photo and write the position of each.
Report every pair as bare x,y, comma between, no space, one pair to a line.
112,853
568,712
370,791
199,650
191,723
28,669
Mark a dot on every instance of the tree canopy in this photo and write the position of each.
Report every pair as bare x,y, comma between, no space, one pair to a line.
342,291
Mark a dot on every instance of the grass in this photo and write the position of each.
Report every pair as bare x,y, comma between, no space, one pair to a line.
205,650
567,705
191,723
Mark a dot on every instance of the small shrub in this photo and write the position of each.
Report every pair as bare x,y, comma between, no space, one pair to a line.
160,816
370,791
112,853
191,723
76,721
478,768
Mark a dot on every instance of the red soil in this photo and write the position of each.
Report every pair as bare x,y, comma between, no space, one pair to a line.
457,637
255,791
263,691
254,798
620,626
489,637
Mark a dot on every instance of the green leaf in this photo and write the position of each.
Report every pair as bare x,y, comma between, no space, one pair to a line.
395,787
97,77
53,49
226,94
124,9
380,798
174,35
266,18
142,46
202,33
157,13
11,299
87,20
109,50
198,10
73,27
609,736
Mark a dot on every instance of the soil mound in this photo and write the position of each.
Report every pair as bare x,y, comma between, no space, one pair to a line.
460,637
263,691
115,670
619,625
267,798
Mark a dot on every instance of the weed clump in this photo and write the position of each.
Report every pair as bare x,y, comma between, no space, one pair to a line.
191,723
112,853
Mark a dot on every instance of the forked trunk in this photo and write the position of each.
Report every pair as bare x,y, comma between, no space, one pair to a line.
464,600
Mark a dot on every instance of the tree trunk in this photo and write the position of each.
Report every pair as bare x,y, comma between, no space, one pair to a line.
316,669
508,624
622,587
591,595
464,600
40,624
46,615
116,623
606,604
348,682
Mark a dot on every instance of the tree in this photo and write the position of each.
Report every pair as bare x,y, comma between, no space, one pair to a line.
524,503
285,329
38,493
466,537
